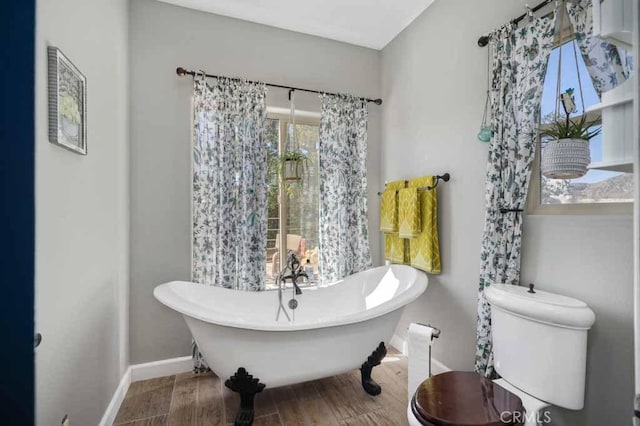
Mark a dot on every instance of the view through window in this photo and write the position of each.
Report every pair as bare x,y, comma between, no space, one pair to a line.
597,186
298,201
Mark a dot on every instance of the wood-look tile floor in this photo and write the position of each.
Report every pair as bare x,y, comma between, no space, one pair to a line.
188,399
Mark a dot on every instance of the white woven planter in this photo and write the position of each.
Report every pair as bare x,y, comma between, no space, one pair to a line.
565,159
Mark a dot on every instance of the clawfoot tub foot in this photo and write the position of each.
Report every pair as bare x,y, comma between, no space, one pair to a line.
244,384
369,385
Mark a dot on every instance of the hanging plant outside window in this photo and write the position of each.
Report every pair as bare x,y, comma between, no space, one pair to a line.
293,164
567,155
579,128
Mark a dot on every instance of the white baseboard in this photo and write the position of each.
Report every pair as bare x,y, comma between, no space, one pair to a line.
137,372
165,367
114,405
437,367
401,345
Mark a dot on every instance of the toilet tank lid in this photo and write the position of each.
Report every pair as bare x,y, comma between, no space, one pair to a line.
541,306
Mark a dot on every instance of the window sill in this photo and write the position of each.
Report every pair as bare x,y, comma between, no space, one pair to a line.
582,209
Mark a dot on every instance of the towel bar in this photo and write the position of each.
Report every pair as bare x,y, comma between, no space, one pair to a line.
445,177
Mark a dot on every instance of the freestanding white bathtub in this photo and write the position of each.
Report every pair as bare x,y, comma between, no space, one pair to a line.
335,328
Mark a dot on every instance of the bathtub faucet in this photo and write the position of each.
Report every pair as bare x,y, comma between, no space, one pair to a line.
293,264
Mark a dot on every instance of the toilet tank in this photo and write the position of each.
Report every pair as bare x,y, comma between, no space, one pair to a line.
540,342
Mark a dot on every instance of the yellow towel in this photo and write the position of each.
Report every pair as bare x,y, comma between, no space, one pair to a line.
408,213
389,211
394,246
424,249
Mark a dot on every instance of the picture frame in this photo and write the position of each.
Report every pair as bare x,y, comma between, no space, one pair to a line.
67,103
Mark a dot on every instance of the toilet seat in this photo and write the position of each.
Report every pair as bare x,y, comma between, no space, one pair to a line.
464,398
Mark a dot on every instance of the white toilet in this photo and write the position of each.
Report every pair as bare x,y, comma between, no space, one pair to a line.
540,352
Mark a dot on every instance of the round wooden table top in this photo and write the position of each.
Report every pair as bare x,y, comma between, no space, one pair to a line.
464,398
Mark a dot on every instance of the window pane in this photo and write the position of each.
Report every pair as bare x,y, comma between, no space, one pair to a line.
597,186
303,198
302,201
569,80
273,206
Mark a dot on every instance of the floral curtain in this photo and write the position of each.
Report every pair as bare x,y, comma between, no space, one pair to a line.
229,199
607,64
344,234
519,63
229,184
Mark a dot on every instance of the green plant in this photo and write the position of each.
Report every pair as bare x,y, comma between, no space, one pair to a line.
69,108
577,128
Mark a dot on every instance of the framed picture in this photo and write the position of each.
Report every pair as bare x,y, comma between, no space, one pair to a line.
67,103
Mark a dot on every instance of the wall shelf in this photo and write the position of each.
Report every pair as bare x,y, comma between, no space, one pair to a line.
616,108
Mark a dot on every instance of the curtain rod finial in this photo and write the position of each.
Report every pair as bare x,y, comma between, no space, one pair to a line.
377,101
483,41
181,71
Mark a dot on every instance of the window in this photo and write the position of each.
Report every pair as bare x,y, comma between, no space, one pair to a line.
292,208
599,191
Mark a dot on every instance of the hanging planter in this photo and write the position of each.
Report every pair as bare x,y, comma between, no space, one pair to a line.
567,156
485,133
294,166
565,159
293,163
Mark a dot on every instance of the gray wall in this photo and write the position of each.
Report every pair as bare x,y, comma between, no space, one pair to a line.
163,37
82,218
433,85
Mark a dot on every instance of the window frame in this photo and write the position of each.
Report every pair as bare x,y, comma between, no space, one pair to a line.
534,205
309,119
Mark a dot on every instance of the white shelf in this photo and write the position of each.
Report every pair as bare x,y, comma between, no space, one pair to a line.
616,109
622,94
625,166
613,21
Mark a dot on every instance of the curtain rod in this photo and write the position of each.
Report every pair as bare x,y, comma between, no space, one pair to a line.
182,72
484,40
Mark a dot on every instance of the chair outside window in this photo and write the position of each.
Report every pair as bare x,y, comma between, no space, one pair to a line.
295,243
